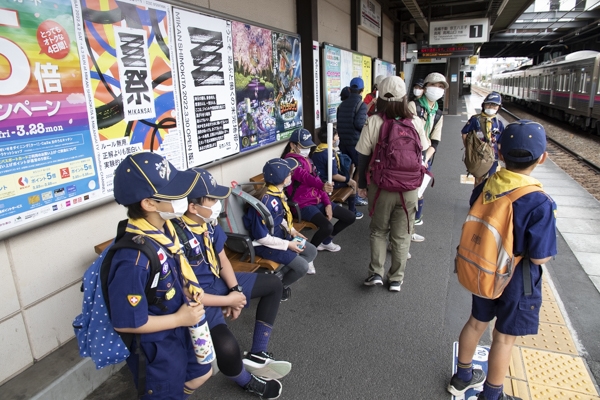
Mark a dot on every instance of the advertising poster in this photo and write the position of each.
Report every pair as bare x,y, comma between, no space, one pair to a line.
332,84
384,68
366,74
206,79
126,49
317,83
288,86
47,161
254,88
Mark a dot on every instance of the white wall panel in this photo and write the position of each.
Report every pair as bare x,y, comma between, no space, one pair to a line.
14,347
10,301
334,23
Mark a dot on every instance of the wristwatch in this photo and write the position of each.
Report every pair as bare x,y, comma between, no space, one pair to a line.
236,288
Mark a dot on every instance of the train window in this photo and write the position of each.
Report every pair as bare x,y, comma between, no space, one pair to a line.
583,83
560,84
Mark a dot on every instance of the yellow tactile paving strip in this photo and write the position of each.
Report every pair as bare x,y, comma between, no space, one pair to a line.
547,366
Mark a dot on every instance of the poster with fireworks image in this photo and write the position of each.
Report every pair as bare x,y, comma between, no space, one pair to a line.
255,92
288,89
127,51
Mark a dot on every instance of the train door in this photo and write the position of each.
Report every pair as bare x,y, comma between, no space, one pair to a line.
553,82
572,87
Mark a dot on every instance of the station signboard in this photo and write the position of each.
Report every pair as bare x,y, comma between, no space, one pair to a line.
459,31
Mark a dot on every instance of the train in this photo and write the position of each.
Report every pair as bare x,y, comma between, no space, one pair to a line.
565,88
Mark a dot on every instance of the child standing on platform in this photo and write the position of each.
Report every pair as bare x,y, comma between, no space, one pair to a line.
227,292
154,192
522,147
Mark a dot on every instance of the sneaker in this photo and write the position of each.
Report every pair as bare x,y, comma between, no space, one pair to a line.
332,247
417,238
395,286
458,386
263,364
287,293
418,221
503,396
408,256
311,268
266,389
373,280
361,202
359,215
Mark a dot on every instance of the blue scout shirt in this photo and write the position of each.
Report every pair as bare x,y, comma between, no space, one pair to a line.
129,272
474,125
258,229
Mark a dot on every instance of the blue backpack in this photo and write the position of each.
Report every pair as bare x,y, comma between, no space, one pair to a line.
95,333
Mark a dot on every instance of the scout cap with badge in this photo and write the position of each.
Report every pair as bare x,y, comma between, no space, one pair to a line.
207,186
276,170
303,138
526,137
149,175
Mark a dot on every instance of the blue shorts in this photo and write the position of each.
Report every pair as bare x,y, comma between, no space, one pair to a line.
170,363
214,315
308,212
516,313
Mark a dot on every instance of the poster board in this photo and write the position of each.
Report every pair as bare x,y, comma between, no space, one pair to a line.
339,67
384,68
83,84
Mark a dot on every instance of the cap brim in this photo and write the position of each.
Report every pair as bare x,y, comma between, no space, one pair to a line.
220,192
180,187
292,163
310,144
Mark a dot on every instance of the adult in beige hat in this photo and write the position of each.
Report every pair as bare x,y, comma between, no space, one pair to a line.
426,108
388,207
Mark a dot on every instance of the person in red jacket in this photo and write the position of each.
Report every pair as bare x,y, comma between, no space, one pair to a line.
311,194
371,99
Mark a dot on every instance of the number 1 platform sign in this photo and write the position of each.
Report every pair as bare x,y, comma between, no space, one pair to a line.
47,161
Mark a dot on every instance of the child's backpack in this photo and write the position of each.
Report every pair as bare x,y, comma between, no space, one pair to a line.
94,330
479,154
485,261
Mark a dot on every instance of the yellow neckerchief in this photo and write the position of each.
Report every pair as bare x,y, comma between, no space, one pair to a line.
505,181
202,229
143,227
488,125
275,191
322,147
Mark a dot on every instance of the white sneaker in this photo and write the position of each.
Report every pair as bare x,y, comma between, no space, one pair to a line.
311,268
329,247
417,238
408,257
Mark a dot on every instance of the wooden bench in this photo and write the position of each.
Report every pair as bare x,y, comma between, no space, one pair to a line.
234,258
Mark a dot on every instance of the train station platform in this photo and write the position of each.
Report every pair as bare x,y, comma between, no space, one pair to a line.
349,341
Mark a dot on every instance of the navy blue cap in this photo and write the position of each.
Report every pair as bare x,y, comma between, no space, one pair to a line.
357,83
302,137
276,170
146,175
420,82
524,135
345,93
207,186
493,98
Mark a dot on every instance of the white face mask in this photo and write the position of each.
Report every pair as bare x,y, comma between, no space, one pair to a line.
216,211
418,92
434,93
287,182
336,143
304,152
490,111
179,208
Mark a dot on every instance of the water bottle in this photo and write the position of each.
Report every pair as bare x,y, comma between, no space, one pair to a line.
203,345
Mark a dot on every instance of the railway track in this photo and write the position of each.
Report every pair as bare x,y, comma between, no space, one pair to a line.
580,158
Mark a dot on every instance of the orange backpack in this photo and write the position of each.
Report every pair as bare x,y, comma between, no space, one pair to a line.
485,261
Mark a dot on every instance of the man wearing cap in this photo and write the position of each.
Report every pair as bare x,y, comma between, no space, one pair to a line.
371,98
154,192
351,117
227,292
522,147
392,214
487,127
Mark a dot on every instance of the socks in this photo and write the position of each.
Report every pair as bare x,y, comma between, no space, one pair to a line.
492,392
262,334
351,203
464,371
419,213
187,392
242,379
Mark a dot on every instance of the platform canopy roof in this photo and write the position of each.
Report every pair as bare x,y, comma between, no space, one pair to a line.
516,31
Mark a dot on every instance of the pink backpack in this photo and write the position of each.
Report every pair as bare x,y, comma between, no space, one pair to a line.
397,164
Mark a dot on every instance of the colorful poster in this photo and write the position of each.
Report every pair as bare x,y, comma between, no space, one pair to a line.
332,82
255,92
384,68
47,160
127,66
288,83
317,83
366,74
206,78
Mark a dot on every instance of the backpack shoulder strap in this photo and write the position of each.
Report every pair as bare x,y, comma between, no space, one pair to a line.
419,109
522,191
357,107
